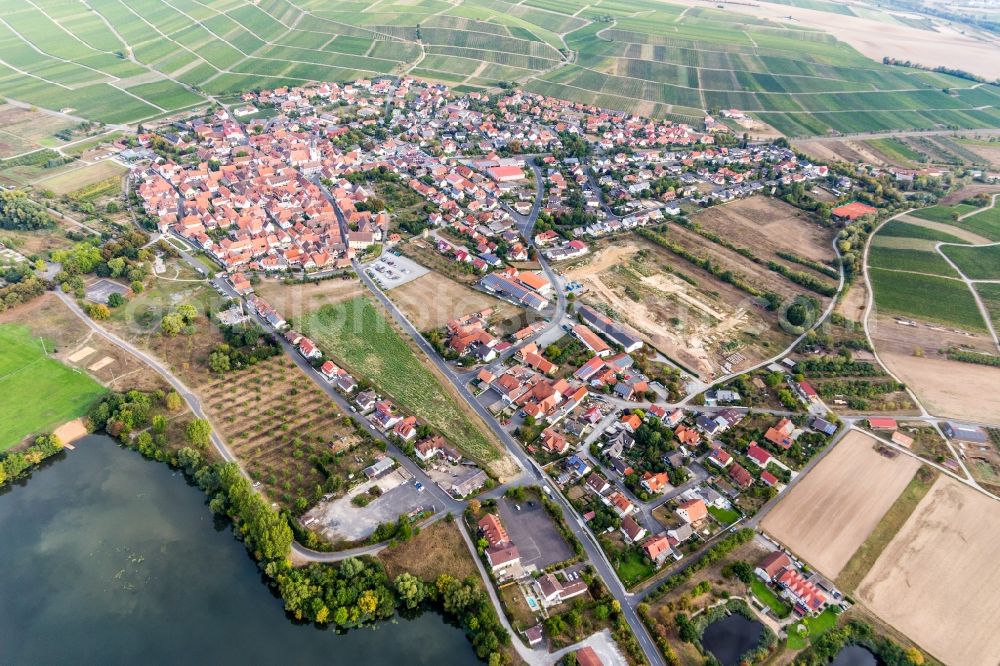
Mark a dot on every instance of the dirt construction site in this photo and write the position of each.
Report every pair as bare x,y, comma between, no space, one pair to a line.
652,290
942,565
827,516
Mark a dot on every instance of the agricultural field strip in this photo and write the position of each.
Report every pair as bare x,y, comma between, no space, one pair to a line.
791,94
34,47
748,71
266,42
751,49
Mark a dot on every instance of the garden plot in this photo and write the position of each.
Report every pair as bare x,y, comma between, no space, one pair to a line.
287,432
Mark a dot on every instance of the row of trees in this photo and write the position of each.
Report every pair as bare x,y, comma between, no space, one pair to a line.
18,464
659,237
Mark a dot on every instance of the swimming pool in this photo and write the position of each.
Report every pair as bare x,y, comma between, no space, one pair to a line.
532,604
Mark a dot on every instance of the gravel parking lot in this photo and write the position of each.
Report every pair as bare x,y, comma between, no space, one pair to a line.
389,271
533,532
101,290
342,520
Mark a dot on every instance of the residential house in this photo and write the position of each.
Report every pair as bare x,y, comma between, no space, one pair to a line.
379,467
740,476
598,484
615,331
577,465
655,483
823,426
720,458
658,549
502,559
781,434
771,565
365,400
758,455
806,597
692,511
632,530
554,442
467,484
491,529
620,504
552,591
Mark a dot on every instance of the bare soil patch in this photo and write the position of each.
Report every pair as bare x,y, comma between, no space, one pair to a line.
950,388
71,431
768,225
970,190
826,151
432,300
990,153
889,335
946,45
946,388
755,274
852,304
23,130
942,565
293,299
694,325
826,517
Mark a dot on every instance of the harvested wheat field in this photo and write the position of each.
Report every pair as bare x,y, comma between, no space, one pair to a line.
937,579
946,388
833,510
950,388
432,300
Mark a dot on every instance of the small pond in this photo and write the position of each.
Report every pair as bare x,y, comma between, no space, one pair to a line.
731,637
855,655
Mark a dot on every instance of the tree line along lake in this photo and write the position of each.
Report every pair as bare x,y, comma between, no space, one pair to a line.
112,558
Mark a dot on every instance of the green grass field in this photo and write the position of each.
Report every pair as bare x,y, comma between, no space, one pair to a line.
942,213
897,151
903,229
901,259
38,392
990,295
655,58
926,297
813,628
359,336
633,567
726,517
769,598
978,263
986,224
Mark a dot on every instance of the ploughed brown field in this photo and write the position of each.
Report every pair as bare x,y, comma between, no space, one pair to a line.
830,513
937,580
